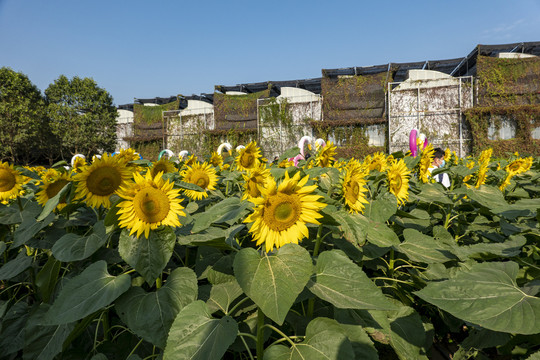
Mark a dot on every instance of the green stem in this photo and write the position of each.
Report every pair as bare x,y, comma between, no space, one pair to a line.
246,345
318,240
186,261
19,203
105,323
260,334
237,305
391,264
281,333
135,348
158,282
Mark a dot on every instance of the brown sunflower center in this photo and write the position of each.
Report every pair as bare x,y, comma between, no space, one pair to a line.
352,190
247,159
200,178
281,211
55,187
395,184
7,180
252,188
151,205
104,181
159,167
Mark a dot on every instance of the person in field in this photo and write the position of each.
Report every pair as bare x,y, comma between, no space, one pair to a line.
438,162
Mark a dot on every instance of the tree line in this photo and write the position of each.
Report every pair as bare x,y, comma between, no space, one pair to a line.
72,116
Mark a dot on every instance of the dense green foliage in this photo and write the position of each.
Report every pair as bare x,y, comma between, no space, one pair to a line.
450,273
22,118
82,116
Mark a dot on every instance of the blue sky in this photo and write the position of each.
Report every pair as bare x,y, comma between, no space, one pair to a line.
144,49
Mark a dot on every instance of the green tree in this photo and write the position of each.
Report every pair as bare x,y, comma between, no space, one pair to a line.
81,115
22,118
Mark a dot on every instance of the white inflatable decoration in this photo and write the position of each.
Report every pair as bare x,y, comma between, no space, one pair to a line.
240,147
225,145
319,143
167,152
302,142
76,156
183,154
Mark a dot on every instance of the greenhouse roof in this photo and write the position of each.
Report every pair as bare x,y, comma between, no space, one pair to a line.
313,85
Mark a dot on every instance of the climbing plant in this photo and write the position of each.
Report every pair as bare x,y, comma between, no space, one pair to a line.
507,89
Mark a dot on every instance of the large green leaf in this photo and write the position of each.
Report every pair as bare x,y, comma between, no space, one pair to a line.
16,266
381,209
51,204
381,235
433,193
150,315
86,293
196,335
424,248
325,339
29,228
47,277
487,196
487,295
509,248
273,281
222,296
402,329
343,283
226,211
362,345
12,332
73,247
44,342
353,226
12,215
148,256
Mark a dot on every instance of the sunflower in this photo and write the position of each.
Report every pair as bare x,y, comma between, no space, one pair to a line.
248,157
51,184
469,165
377,161
216,160
97,182
353,187
281,213
163,165
519,166
253,179
398,180
78,164
127,155
11,182
202,175
483,162
325,158
285,163
149,202
425,163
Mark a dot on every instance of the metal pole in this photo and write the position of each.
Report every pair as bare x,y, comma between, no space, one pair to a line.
460,122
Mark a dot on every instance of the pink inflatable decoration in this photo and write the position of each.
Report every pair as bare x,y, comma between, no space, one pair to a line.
417,141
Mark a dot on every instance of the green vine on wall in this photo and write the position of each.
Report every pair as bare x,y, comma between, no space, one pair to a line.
229,110
526,117
504,82
510,89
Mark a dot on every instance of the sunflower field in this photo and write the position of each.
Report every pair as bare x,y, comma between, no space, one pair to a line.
233,257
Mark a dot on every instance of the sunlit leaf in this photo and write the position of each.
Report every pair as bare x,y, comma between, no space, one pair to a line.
86,293
488,296
150,314
196,335
343,283
273,281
